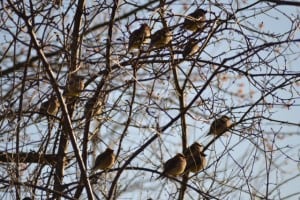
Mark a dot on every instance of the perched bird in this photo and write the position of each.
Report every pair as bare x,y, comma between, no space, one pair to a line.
139,36
197,163
194,148
50,107
75,86
220,126
105,160
190,48
195,21
94,107
161,38
98,108
57,3
174,166
195,158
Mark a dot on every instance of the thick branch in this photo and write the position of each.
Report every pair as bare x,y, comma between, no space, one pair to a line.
287,3
32,157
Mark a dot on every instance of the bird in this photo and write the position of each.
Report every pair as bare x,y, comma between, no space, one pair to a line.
94,107
190,48
105,160
194,148
174,166
139,36
57,3
75,86
50,107
195,21
197,163
220,126
161,38
195,157
98,108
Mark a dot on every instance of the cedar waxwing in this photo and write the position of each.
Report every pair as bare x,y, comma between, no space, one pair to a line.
57,3
174,166
195,158
195,21
194,148
75,86
98,108
190,48
196,163
161,38
105,160
220,126
139,36
50,107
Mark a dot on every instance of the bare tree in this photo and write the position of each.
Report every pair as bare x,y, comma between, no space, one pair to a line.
71,88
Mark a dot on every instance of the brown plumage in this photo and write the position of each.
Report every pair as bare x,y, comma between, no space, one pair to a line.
105,160
138,37
220,126
194,148
94,108
75,86
50,107
98,108
174,166
161,38
190,48
57,3
196,160
195,21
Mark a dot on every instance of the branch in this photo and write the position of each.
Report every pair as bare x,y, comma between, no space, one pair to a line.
280,2
32,157
67,119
